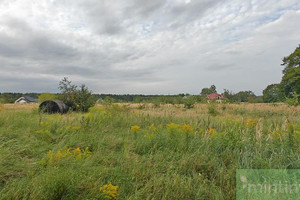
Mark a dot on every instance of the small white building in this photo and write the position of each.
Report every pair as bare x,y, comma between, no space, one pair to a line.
26,99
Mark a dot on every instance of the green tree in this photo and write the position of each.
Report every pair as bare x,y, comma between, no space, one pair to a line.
291,61
206,91
229,95
273,93
290,82
244,96
46,96
77,98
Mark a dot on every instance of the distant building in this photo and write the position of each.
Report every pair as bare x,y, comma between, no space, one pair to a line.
26,99
215,96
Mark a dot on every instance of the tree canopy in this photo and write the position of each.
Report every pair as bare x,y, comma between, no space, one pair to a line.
77,98
273,93
290,83
206,91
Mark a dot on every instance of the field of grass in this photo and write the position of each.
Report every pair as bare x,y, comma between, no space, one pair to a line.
132,151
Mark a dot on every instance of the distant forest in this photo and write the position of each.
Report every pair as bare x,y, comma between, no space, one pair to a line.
244,96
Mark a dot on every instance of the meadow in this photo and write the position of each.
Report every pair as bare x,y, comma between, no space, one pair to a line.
142,151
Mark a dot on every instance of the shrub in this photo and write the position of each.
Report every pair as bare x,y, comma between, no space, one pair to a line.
212,110
46,96
189,103
294,101
77,98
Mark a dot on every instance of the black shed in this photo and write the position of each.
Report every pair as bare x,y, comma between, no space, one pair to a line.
54,106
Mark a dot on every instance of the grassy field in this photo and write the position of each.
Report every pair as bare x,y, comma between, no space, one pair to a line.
138,151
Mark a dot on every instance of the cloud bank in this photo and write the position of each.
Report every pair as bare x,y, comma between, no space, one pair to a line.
147,47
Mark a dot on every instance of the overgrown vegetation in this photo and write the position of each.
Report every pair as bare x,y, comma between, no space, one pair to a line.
47,96
77,98
122,152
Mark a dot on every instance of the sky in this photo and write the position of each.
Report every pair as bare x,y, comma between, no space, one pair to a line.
146,46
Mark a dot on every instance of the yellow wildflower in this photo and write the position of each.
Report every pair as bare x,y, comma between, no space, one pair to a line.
135,128
58,155
50,157
89,116
75,128
173,128
187,128
76,153
151,128
87,153
274,135
250,123
211,131
109,191
44,123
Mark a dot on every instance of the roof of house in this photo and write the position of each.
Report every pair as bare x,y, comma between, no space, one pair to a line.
31,99
215,96
27,98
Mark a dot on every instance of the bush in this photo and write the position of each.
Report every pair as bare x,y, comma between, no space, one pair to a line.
77,98
46,96
212,110
294,101
189,102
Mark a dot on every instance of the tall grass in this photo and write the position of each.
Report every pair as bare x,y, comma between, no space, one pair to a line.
174,154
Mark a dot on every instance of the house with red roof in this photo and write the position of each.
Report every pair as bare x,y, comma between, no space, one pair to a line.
215,96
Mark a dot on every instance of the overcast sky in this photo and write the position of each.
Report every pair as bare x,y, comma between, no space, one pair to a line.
146,46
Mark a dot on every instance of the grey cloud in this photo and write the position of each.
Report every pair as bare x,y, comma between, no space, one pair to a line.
218,67
117,17
32,44
184,13
139,46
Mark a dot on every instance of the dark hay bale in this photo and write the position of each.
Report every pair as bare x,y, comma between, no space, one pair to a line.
53,106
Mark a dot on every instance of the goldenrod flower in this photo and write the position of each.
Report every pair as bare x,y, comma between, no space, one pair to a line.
109,191
44,123
135,128
75,128
75,153
58,155
250,123
211,131
274,135
173,128
151,128
186,128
